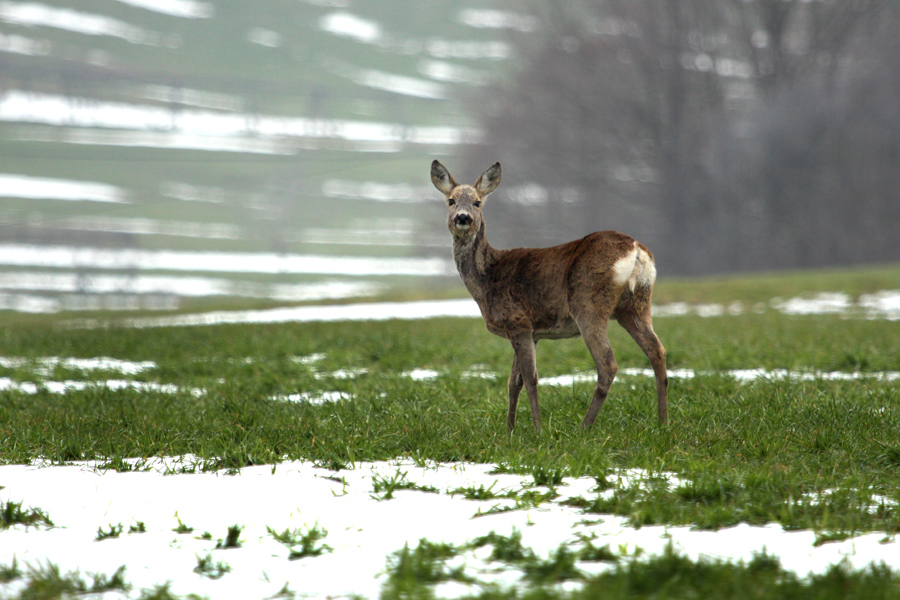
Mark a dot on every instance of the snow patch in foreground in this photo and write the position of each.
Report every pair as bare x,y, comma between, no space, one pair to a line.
363,527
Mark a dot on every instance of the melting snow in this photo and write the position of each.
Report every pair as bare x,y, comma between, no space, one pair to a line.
483,18
31,14
81,283
208,130
363,530
46,364
377,311
345,24
64,387
190,9
24,255
25,186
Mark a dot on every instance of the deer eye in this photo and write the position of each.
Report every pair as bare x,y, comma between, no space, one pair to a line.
451,201
477,204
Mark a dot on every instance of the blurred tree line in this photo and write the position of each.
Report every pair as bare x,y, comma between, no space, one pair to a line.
725,134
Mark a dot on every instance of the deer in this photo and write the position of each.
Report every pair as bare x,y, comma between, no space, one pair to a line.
530,294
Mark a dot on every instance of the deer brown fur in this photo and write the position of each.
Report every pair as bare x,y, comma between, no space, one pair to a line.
529,294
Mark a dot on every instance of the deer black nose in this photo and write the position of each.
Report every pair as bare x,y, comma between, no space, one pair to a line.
463,219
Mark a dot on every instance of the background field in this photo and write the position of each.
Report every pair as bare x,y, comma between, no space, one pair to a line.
808,443
806,435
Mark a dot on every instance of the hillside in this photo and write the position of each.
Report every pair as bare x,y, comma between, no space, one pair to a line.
130,127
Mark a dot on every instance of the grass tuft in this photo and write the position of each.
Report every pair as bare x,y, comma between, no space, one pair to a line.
114,531
182,528
473,493
383,488
138,527
411,571
211,569
12,513
232,538
48,581
308,541
548,476
11,572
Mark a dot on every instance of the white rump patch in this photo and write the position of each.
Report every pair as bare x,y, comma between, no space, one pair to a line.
644,271
636,268
624,268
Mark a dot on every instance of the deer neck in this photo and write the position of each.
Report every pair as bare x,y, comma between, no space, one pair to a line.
474,259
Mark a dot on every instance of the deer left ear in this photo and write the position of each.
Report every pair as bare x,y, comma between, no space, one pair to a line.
489,180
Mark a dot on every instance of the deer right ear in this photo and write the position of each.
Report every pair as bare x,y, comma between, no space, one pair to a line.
441,178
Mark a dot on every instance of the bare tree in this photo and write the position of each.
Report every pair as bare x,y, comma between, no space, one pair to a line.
615,104
727,135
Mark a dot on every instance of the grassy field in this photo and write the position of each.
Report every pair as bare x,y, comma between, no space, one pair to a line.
808,453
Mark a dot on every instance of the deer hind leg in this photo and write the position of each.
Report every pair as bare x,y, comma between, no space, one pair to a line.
524,373
594,332
639,325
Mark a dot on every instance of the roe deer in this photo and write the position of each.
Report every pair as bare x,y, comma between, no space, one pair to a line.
530,294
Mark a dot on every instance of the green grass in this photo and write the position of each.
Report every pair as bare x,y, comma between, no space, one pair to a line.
206,567
819,454
114,531
414,574
232,538
302,543
762,287
48,581
766,451
182,528
383,488
13,513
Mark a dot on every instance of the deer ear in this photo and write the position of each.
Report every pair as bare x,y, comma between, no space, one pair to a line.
489,180
441,178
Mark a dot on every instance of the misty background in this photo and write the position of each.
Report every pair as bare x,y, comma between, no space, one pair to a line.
165,154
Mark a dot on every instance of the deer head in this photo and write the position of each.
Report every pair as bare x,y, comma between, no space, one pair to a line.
464,202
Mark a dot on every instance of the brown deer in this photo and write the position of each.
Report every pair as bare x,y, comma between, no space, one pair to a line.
529,294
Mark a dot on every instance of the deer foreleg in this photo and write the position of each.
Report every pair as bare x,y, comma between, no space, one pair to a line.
515,387
524,374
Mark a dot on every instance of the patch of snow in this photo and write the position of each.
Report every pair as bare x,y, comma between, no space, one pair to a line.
378,311
45,364
34,14
264,37
400,84
421,374
345,24
48,188
362,529
18,44
312,397
24,255
189,9
126,124
881,305
451,73
373,190
192,193
466,49
820,304
485,18
95,283
115,385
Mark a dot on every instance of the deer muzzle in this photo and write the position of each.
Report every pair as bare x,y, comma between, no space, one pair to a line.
462,220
